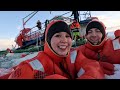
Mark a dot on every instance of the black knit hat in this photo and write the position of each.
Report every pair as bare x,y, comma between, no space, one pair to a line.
96,24
57,27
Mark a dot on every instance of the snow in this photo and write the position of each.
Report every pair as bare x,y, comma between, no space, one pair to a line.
4,71
111,35
17,61
11,60
116,74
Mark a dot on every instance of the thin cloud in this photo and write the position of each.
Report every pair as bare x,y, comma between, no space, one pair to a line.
6,43
19,27
111,23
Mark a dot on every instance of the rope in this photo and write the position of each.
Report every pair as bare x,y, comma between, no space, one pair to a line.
30,17
30,14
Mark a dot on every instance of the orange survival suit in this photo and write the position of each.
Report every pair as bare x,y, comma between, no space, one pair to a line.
75,25
48,65
107,51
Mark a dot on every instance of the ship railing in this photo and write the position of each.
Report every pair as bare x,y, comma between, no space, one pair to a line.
33,35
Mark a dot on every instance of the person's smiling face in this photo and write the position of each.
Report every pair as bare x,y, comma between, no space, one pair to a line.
94,36
61,43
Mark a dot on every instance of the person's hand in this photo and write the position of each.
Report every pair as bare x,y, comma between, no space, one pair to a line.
107,68
116,67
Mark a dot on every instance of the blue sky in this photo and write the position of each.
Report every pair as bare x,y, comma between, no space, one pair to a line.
11,22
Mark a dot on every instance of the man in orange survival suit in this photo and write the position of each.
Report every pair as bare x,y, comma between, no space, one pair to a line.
75,25
102,49
57,61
